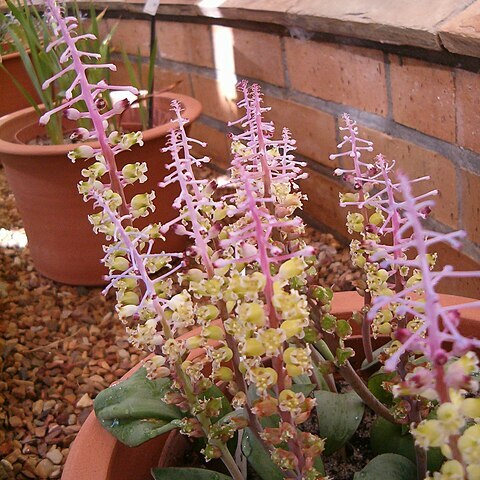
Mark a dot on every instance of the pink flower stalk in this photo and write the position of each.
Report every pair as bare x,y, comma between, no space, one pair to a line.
438,323
270,159
357,146
259,163
194,195
356,177
90,94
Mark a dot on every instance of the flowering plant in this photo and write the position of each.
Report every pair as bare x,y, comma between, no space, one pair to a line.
244,344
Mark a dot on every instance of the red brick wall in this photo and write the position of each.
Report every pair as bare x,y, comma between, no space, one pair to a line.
422,114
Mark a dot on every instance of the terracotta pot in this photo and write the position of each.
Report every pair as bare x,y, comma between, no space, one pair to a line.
44,183
11,99
95,454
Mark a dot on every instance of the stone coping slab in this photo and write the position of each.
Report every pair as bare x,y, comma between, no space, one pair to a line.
453,25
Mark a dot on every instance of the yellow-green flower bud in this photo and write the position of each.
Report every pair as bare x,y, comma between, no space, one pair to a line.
82,151
224,374
135,171
120,263
219,214
129,298
130,139
385,329
355,222
141,203
376,219
471,407
254,348
469,444
193,342
213,332
252,313
207,313
96,170
292,328
292,268
429,433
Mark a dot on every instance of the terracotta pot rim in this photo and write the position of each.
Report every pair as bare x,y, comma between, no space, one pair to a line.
192,110
344,302
9,56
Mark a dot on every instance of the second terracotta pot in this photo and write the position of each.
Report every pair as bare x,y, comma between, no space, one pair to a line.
44,183
11,99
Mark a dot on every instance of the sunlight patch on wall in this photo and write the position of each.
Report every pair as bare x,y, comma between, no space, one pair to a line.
210,3
224,58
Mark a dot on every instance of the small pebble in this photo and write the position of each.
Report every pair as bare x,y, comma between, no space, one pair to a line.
55,456
85,401
44,468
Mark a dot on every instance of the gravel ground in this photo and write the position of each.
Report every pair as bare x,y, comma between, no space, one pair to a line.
61,345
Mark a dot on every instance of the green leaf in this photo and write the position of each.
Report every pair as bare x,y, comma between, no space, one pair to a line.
215,392
386,437
375,386
305,388
343,329
133,411
328,323
259,458
366,365
339,415
343,354
388,466
187,474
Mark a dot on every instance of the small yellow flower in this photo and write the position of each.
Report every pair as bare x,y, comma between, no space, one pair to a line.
292,328
429,433
253,348
469,444
264,378
451,418
451,470
292,268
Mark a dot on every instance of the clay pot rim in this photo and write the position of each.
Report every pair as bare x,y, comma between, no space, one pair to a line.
192,110
345,302
9,56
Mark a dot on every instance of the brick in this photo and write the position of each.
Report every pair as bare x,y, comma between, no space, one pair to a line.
416,161
216,98
467,86
471,205
186,43
248,53
466,286
218,144
313,129
423,97
163,79
131,36
338,73
461,34
323,198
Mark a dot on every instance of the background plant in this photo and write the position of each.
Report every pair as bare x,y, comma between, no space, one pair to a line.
243,337
29,34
